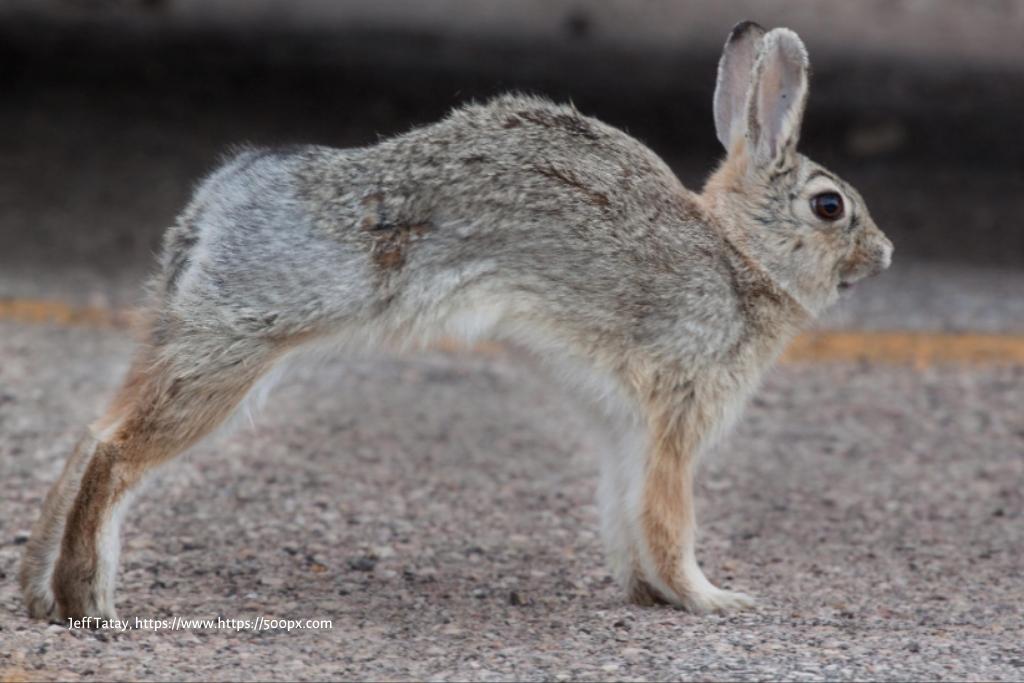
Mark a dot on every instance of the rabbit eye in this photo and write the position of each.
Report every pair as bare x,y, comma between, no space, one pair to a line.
827,206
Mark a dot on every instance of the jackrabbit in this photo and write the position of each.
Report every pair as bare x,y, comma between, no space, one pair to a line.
518,219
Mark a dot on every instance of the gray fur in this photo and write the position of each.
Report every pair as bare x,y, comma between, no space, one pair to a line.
569,222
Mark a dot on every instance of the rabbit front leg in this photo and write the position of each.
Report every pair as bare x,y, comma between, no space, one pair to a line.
648,497
618,493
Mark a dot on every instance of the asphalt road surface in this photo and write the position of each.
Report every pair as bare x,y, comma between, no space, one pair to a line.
439,511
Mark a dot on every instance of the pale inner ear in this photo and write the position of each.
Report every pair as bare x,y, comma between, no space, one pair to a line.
734,75
781,94
779,90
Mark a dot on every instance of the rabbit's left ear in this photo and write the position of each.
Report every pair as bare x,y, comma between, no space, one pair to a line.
778,94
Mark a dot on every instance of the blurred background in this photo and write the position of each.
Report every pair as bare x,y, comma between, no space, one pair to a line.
111,110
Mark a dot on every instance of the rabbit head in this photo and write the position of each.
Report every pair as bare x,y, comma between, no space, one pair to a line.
810,230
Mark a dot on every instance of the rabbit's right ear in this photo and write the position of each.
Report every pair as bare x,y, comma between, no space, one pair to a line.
777,98
735,70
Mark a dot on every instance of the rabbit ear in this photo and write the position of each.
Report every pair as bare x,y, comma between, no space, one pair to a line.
734,73
777,97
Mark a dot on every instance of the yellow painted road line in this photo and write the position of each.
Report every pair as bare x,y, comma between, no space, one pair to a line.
919,349
60,313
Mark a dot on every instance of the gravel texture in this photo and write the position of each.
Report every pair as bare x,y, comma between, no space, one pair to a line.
439,510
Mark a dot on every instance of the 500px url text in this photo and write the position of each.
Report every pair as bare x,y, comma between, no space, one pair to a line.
184,624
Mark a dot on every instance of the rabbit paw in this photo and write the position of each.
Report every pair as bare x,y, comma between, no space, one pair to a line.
41,604
717,600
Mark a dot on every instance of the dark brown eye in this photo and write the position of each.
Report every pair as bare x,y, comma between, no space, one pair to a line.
827,206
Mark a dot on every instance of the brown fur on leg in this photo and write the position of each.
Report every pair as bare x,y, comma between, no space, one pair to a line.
75,577
36,575
163,408
668,519
679,426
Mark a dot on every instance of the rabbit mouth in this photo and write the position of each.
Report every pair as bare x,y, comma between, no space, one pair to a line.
845,284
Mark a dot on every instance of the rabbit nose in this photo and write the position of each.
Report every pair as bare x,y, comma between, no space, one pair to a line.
886,256
877,248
